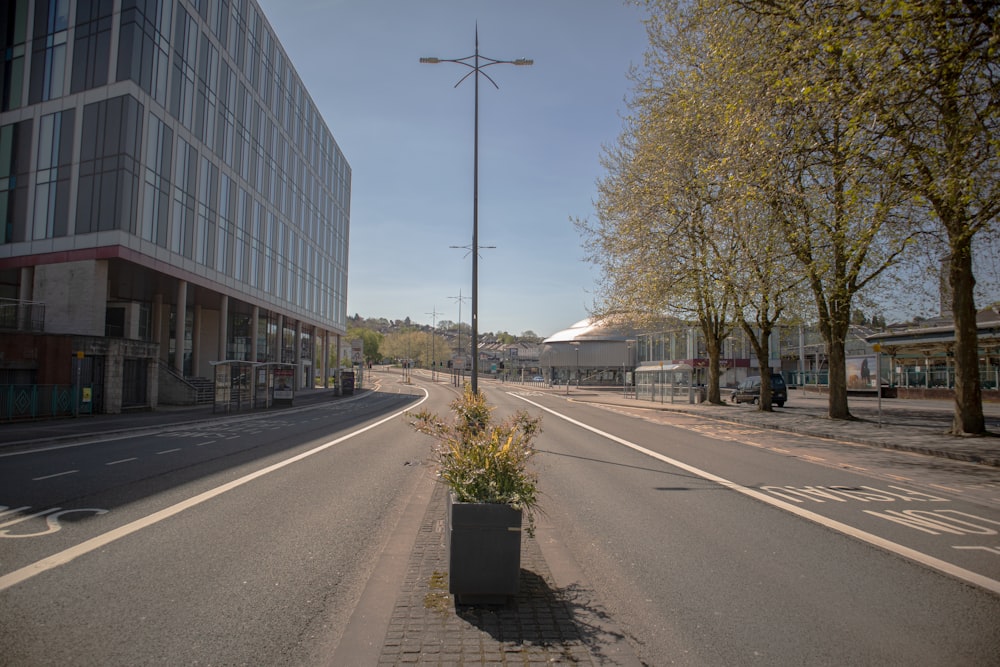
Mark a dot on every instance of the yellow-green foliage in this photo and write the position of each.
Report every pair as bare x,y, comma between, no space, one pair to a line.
482,461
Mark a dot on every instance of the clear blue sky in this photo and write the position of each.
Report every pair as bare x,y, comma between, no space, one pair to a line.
407,133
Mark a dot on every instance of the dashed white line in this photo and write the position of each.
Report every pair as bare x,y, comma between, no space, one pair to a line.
202,444
946,488
170,451
58,474
114,463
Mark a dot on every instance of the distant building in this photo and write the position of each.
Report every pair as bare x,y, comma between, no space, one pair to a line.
588,353
169,196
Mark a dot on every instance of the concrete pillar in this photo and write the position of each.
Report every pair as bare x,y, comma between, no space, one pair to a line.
325,355
299,365
279,343
179,325
254,332
196,341
223,327
162,328
336,365
25,290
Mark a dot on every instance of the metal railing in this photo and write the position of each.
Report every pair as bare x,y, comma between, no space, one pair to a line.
16,315
37,401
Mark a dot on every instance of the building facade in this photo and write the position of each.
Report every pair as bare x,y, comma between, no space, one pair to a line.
170,196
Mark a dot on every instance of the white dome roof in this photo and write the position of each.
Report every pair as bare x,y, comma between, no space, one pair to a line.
586,330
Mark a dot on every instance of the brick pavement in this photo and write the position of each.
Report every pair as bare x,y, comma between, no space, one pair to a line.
540,625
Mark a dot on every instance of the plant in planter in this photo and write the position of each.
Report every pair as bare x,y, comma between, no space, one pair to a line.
485,465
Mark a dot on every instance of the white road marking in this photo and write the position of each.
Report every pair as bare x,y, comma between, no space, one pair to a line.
58,474
114,463
170,451
946,488
950,569
100,541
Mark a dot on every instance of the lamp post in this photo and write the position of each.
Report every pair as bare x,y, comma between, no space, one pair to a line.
577,347
476,64
628,360
460,373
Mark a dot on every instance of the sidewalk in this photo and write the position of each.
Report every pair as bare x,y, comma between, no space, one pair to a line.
554,619
28,432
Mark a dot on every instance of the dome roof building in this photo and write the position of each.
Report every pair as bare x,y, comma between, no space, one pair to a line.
588,353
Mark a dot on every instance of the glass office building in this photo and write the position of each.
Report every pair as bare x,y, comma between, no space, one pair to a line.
169,193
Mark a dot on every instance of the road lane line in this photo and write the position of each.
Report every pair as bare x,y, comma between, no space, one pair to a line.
950,569
114,463
58,474
945,488
100,541
169,451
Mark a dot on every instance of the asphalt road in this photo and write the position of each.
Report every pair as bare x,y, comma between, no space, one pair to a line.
713,544
247,541
252,540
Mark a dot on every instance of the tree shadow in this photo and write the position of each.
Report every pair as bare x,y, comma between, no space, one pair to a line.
565,620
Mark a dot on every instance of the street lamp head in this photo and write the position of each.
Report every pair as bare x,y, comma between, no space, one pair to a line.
430,61
523,62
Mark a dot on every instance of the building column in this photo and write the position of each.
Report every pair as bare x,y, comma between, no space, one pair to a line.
25,290
254,333
157,325
298,355
196,341
179,325
279,343
223,326
325,355
336,365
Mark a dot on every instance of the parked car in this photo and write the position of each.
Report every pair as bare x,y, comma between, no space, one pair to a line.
748,391
538,378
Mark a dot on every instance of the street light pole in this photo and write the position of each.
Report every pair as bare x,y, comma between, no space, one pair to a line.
475,67
577,366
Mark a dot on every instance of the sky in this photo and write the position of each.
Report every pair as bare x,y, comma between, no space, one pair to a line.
407,132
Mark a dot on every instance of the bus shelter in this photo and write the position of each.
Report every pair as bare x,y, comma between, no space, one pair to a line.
665,383
247,385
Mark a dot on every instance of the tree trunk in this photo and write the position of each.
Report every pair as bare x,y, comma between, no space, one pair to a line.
837,374
714,355
764,359
968,419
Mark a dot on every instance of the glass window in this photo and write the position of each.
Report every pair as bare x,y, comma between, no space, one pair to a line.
13,39
208,185
159,144
92,44
52,175
48,61
185,180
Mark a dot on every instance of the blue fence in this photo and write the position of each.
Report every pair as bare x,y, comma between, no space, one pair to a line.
39,401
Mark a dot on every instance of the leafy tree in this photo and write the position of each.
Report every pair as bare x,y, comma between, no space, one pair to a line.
658,207
932,84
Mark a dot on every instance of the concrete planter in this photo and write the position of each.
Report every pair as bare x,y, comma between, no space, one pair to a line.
484,552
